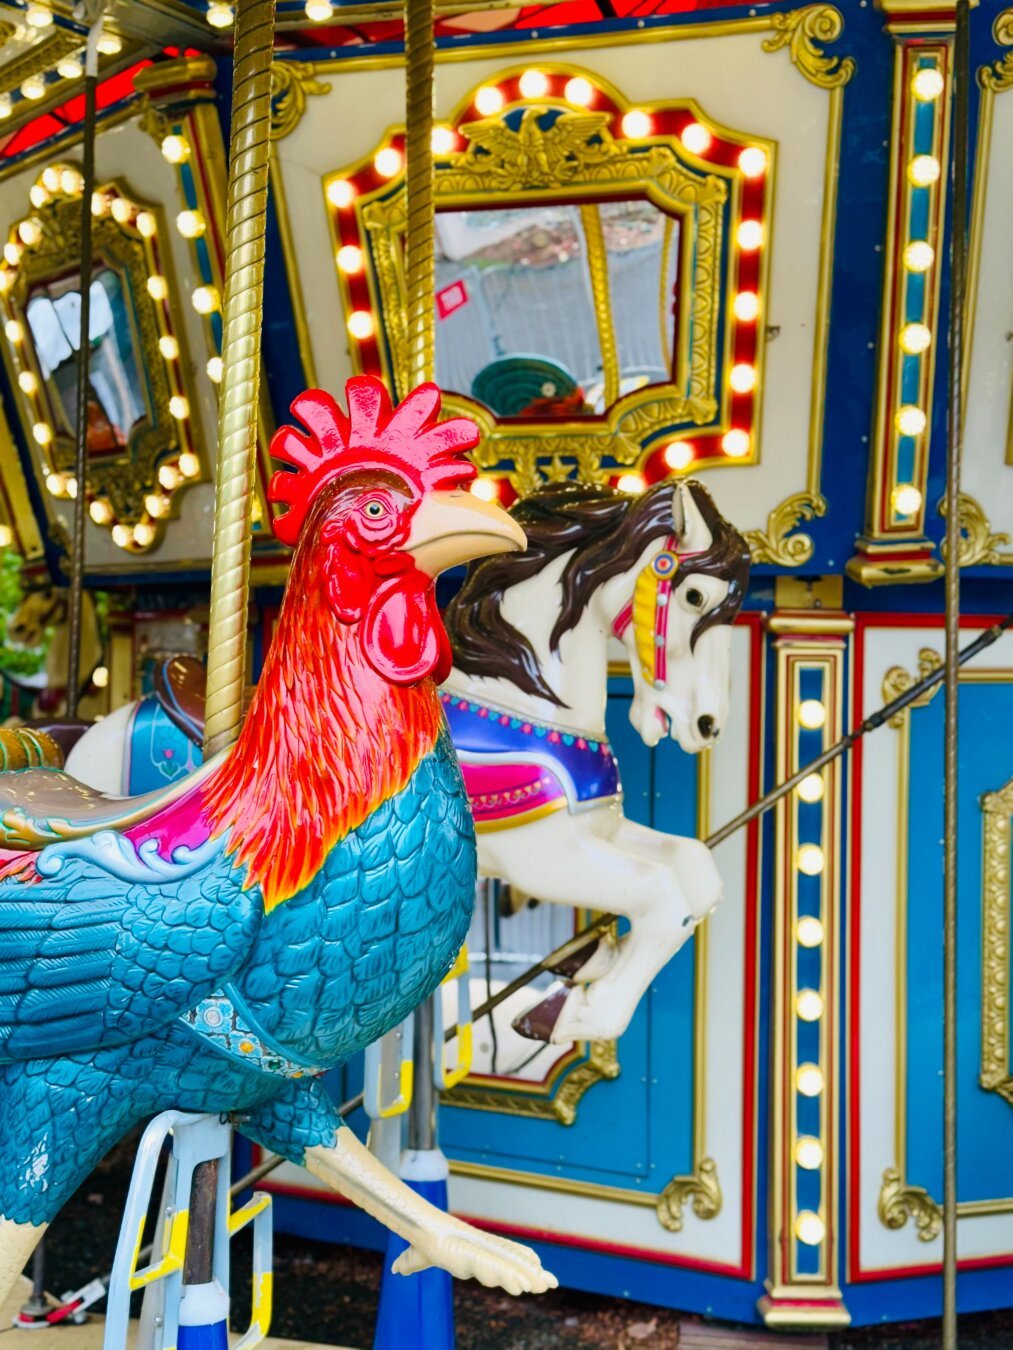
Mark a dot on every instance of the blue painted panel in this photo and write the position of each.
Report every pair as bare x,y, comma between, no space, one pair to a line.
985,1135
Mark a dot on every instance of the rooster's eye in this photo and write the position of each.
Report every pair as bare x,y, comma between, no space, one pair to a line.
375,510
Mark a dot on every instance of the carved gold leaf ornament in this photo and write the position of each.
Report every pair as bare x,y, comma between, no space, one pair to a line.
777,544
898,681
978,544
601,1064
899,1202
292,83
802,31
996,1072
700,1189
999,76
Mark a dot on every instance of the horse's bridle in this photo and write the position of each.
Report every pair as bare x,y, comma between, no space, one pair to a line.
648,612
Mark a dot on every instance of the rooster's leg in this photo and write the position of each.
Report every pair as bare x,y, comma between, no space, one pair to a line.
302,1124
17,1242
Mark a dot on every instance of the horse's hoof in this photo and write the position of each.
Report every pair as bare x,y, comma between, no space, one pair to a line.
539,1022
568,967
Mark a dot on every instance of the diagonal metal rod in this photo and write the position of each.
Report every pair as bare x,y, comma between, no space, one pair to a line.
954,448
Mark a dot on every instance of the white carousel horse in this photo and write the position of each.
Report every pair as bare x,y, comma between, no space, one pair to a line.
666,574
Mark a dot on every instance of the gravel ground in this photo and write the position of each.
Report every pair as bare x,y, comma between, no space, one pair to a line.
329,1294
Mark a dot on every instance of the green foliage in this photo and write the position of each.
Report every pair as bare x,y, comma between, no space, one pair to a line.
15,661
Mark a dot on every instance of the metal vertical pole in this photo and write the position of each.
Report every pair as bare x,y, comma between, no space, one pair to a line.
83,361
958,265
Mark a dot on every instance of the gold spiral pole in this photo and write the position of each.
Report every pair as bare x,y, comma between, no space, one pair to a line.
237,408
420,256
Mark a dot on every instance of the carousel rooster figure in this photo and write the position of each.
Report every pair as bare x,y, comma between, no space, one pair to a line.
216,946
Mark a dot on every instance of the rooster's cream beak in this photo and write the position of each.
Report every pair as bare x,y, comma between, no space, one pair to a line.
450,528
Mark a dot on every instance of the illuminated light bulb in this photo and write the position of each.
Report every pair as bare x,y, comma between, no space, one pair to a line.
72,486
191,224
910,420
735,443
158,287
121,536
927,84
12,252
810,860
919,255
13,330
915,338
753,161
205,299
56,485
360,324
6,106
443,140
749,235
109,44
809,1228
746,306
168,346
696,138
179,406
349,259
37,195
489,100
51,178
319,11
809,1005
811,788
340,193
533,84
6,279
679,455
388,161
100,511
809,1080
100,677
156,505
144,534
99,203
485,489
743,378
907,499
29,384
579,92
924,170
636,124
42,433
121,210
34,87
215,369
808,1152
169,476
71,183
175,149
38,16
631,482
70,68
189,464
30,232
6,536
146,224
220,15
809,931
811,714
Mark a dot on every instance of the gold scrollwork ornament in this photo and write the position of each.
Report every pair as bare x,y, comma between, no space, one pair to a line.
802,31
997,807
292,82
999,76
898,681
701,1189
777,544
978,545
899,1202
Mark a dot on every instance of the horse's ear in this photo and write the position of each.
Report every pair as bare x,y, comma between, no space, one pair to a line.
678,511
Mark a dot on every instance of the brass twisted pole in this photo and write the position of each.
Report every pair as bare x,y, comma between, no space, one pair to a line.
420,255
237,408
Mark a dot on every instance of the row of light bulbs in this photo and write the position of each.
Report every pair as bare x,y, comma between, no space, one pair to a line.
221,14
69,67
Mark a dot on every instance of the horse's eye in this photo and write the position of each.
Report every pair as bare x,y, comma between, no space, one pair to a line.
695,598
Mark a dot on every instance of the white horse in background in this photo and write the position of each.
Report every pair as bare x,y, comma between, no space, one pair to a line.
666,574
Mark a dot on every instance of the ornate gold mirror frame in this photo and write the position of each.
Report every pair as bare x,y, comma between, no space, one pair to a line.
134,489
558,134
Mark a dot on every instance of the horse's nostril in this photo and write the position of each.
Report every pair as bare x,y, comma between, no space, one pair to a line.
706,726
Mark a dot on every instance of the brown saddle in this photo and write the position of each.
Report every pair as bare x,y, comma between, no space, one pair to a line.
180,685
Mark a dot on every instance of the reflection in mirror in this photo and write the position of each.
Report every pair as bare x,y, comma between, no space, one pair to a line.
553,310
115,395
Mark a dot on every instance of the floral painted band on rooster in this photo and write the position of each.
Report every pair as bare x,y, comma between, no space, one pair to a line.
517,770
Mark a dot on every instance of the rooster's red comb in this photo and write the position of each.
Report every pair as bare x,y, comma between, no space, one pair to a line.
406,440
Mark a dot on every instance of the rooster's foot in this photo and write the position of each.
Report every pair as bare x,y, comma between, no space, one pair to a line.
469,1254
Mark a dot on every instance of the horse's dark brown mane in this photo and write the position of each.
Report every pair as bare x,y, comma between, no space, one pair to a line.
607,531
